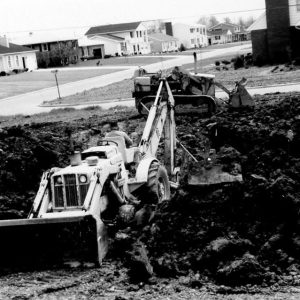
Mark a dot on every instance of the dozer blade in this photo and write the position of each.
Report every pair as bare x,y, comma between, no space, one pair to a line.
41,243
202,176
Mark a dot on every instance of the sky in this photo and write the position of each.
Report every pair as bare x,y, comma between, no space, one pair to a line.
32,15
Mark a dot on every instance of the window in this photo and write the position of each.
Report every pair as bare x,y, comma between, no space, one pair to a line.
192,30
131,34
17,60
217,37
45,47
298,5
198,29
9,61
192,41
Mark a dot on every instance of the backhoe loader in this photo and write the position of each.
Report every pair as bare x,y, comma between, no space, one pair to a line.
76,206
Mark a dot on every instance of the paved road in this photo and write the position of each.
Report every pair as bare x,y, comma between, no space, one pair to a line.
29,103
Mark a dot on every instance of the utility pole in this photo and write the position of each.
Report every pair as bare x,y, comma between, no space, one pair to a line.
55,74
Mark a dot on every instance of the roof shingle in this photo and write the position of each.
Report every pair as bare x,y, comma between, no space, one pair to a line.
13,48
113,28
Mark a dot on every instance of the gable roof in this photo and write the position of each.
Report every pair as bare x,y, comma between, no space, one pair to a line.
113,28
112,37
162,37
223,23
13,48
32,38
219,32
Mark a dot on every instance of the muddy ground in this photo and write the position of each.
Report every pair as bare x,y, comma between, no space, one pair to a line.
239,241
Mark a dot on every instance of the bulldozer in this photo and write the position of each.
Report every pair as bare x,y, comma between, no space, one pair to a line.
189,88
76,206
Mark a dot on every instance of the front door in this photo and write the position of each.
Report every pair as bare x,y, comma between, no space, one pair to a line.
24,62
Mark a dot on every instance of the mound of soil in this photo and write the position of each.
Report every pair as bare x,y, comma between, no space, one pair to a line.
239,233
234,234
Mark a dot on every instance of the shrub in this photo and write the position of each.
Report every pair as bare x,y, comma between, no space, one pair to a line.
239,62
217,63
259,61
3,73
182,48
107,56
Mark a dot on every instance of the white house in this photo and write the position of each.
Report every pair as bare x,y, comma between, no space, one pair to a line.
191,36
160,42
13,57
119,39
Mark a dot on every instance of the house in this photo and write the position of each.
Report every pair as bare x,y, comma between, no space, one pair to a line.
14,57
223,33
118,39
46,41
190,35
160,42
275,34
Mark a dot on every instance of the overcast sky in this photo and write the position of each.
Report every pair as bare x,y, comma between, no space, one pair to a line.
25,15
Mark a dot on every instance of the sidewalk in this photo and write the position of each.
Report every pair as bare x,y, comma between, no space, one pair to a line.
29,103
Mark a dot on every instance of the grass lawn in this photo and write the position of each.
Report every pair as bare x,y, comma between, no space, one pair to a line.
118,90
27,82
257,76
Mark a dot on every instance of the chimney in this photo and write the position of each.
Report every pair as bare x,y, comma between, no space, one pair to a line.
169,28
4,41
278,32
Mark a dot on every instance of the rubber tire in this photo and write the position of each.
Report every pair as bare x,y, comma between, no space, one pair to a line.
157,179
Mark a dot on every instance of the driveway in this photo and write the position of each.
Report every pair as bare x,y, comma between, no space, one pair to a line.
29,103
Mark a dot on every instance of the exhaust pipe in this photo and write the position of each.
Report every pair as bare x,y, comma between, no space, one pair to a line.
75,159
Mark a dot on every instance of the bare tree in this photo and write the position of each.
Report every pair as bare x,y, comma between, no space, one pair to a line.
241,22
204,20
227,20
249,21
212,21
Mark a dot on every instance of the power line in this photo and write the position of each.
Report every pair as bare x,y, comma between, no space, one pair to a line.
152,20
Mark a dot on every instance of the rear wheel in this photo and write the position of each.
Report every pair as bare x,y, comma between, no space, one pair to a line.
157,188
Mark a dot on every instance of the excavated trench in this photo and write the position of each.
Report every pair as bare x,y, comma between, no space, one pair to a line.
234,234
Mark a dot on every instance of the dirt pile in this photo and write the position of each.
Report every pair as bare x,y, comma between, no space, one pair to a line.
240,233
235,234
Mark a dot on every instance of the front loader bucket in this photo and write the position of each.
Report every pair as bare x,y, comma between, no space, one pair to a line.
46,242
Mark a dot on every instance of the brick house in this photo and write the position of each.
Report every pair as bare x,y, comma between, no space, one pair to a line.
120,39
275,37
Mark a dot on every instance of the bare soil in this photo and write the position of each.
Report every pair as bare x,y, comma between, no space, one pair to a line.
238,241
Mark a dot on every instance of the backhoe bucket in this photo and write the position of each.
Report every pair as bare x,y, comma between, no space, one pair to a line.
240,97
202,176
47,242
